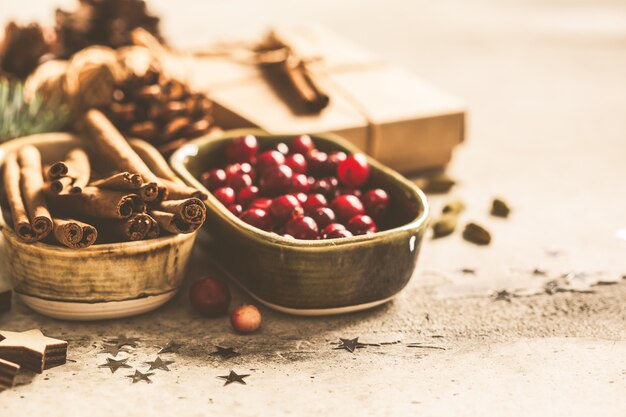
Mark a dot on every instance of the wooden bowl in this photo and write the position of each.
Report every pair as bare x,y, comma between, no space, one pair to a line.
311,277
98,282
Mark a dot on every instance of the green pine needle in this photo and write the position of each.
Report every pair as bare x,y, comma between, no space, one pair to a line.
20,118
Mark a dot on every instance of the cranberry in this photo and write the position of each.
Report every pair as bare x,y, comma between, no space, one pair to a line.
331,228
326,186
314,201
210,297
247,194
242,149
214,178
285,207
337,234
258,218
246,319
236,209
239,181
343,190
297,162
300,184
301,144
347,206
301,197
323,216
376,202
302,227
354,171
282,148
225,195
261,203
276,180
269,159
362,224
235,169
318,164
336,158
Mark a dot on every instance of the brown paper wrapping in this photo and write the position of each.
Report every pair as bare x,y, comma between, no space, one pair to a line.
394,116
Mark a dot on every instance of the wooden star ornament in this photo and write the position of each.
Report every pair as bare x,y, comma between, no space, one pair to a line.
32,350
170,347
8,373
122,340
114,365
225,352
159,363
233,377
352,344
112,350
140,376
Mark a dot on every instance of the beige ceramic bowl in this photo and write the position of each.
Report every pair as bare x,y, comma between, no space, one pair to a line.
99,282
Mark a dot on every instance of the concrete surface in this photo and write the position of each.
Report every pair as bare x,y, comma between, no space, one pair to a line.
546,88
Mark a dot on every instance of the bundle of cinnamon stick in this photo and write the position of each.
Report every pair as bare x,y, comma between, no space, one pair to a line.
68,204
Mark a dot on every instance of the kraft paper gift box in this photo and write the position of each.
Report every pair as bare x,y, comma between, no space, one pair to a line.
394,116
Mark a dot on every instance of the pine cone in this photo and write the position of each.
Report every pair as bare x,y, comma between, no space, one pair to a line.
22,48
162,111
102,22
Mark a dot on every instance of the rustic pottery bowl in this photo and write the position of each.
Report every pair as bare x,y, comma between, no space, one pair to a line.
311,277
99,282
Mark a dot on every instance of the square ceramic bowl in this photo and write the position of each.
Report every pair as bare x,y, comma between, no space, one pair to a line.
311,277
102,281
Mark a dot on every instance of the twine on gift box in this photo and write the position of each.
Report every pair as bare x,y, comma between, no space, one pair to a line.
275,54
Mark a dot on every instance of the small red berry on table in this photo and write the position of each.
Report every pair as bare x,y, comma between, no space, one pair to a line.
210,297
246,319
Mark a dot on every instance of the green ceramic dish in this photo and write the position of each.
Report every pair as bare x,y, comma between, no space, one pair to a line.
319,276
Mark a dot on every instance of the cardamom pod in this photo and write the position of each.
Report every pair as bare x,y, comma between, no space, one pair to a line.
453,207
444,226
476,234
500,208
439,184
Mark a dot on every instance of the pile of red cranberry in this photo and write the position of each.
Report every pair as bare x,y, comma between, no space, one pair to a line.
297,191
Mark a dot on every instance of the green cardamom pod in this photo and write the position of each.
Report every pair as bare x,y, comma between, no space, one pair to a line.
439,184
476,234
500,208
444,226
453,207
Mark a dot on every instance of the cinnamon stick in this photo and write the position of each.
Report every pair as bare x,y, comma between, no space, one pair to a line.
21,224
191,210
151,156
179,192
74,234
120,181
154,230
136,227
97,202
173,223
32,187
62,185
71,174
130,182
176,187
277,57
315,100
112,146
